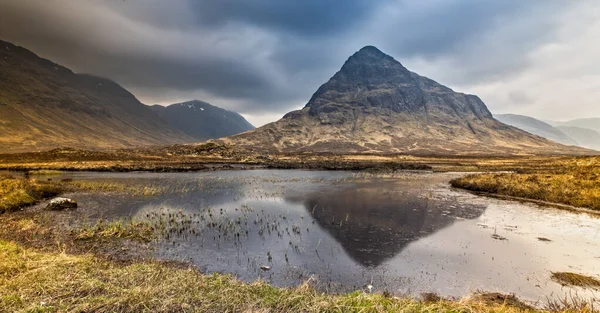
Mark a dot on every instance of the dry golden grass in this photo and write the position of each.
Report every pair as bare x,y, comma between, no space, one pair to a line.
574,182
573,279
17,193
32,281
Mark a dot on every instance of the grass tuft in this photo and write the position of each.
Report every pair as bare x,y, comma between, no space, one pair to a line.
573,279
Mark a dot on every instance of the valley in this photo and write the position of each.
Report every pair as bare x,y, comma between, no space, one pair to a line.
387,191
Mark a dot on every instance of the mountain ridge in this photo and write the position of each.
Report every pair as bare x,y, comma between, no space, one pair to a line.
585,137
536,127
44,105
592,123
202,120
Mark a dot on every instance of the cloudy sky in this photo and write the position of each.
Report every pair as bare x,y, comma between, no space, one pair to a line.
264,58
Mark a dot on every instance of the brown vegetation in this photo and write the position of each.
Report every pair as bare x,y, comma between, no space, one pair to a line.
574,182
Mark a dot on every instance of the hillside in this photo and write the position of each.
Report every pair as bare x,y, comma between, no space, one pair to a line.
592,123
585,137
44,105
202,120
536,127
375,105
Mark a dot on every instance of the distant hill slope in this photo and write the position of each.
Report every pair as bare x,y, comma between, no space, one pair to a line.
375,105
44,105
590,123
536,127
585,137
202,120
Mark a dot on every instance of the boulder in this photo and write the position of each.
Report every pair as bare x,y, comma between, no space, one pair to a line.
59,204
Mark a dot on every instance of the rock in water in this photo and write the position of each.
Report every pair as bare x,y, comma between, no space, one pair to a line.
59,204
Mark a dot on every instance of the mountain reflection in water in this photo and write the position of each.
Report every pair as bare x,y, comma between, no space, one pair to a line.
373,224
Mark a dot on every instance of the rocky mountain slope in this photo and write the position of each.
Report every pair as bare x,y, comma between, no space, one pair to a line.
585,137
375,105
44,105
202,120
536,127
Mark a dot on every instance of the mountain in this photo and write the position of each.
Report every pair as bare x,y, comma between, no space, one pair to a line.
375,105
590,123
202,120
585,137
536,127
44,105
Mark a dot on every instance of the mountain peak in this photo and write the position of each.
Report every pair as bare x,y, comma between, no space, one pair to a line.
366,70
370,54
370,49
193,103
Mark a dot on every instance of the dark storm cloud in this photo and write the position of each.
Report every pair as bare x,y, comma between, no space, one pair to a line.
270,55
307,17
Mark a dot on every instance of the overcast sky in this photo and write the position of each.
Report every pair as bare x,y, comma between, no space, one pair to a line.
264,58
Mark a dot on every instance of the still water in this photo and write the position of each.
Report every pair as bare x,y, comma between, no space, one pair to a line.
407,233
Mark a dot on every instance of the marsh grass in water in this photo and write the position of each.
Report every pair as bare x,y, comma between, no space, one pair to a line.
119,229
573,279
102,186
45,172
34,281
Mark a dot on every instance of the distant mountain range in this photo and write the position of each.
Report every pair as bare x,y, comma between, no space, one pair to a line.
580,132
44,105
536,127
375,105
202,120
589,123
585,137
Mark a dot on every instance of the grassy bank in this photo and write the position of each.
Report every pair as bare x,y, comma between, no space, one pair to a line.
574,182
35,281
17,193
578,189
